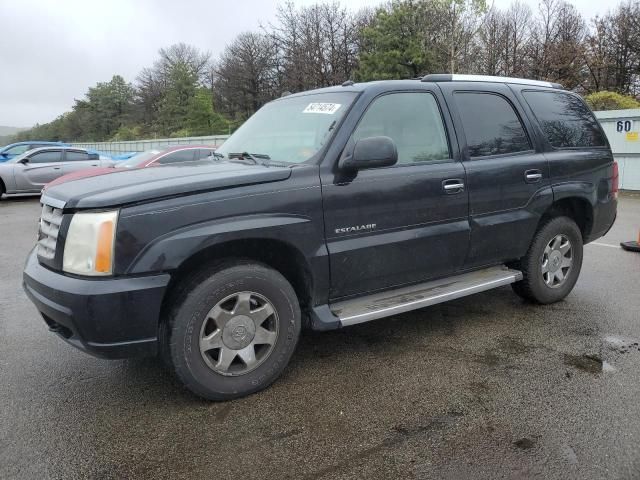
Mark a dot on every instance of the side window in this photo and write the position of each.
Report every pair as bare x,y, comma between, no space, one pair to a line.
74,156
94,156
491,125
18,149
565,120
177,157
46,157
414,123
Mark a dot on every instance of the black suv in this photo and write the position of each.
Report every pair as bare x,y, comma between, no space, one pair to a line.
326,208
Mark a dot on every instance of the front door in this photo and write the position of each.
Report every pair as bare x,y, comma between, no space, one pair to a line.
43,167
403,224
507,176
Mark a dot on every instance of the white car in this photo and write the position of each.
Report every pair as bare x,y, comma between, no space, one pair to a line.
31,171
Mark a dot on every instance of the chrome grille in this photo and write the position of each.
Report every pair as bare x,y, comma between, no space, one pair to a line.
50,222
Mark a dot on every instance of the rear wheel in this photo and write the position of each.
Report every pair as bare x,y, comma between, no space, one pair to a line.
232,331
2,189
552,265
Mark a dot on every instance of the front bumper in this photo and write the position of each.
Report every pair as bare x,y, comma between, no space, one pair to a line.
109,318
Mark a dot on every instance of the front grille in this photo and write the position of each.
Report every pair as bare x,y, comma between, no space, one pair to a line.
50,222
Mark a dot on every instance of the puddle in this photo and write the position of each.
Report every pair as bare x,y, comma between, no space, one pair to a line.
587,363
525,443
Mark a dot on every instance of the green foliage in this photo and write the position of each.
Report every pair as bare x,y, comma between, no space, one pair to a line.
393,46
611,101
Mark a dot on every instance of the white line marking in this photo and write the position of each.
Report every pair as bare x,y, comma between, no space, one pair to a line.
604,245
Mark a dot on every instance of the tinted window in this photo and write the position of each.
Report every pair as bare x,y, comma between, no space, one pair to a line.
414,123
176,157
18,149
565,120
76,156
491,125
45,157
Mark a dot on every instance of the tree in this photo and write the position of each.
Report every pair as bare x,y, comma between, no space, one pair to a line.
246,76
611,101
393,44
461,20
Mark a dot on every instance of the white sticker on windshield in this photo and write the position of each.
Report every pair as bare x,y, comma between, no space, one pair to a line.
328,108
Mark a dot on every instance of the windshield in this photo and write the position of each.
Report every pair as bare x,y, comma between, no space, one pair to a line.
289,130
138,159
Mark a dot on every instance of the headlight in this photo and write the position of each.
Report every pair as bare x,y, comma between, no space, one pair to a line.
88,249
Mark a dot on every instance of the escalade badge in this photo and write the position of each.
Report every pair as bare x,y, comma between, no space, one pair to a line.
356,228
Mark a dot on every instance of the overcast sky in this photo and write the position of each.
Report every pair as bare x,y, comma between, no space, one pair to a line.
52,51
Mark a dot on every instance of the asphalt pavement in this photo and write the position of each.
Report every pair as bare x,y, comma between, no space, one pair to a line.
482,387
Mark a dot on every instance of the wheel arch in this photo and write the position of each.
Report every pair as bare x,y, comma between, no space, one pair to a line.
277,254
579,209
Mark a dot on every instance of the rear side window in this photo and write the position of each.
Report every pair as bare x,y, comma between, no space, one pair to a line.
491,125
177,157
414,123
565,120
46,157
76,156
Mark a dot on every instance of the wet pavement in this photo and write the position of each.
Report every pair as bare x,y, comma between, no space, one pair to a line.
482,387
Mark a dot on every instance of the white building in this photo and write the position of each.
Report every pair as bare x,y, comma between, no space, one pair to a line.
622,128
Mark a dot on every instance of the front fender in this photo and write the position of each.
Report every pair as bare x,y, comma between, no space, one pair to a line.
169,251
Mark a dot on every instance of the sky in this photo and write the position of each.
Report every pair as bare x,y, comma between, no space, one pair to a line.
52,51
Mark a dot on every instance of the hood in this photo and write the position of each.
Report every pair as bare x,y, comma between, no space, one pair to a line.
125,186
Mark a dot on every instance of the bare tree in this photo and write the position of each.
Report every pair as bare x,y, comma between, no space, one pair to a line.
246,76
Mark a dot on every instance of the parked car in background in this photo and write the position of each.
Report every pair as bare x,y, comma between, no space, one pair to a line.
9,151
31,171
150,158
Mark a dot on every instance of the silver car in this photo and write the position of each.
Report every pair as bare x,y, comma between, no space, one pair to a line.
29,172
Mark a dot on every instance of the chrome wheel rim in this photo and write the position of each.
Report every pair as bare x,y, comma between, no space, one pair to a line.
239,333
557,261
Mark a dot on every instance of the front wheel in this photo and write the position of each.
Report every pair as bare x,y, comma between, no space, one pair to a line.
552,265
233,330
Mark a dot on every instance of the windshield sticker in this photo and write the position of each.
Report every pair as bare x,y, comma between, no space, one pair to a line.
328,108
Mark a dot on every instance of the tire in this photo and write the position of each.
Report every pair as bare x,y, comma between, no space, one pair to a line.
223,309
545,287
2,190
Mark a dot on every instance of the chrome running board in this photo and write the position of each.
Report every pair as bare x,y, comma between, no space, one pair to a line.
405,299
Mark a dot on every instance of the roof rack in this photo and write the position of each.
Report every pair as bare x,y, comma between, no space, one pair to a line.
448,77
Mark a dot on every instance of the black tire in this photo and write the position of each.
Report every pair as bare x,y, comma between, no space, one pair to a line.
533,286
181,330
2,190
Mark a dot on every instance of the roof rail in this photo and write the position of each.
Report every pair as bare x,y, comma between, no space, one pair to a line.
448,77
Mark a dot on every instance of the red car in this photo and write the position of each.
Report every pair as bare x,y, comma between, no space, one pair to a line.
150,158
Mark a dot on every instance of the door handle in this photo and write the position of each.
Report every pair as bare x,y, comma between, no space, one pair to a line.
453,185
56,168
532,176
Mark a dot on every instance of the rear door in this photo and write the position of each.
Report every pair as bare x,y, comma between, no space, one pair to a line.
43,167
75,160
398,225
507,173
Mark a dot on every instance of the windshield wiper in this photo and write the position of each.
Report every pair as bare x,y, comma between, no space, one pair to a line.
250,156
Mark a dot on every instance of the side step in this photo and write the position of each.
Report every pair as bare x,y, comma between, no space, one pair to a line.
404,299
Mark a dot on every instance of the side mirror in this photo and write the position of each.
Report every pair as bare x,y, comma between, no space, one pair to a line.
24,161
4,154
371,152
